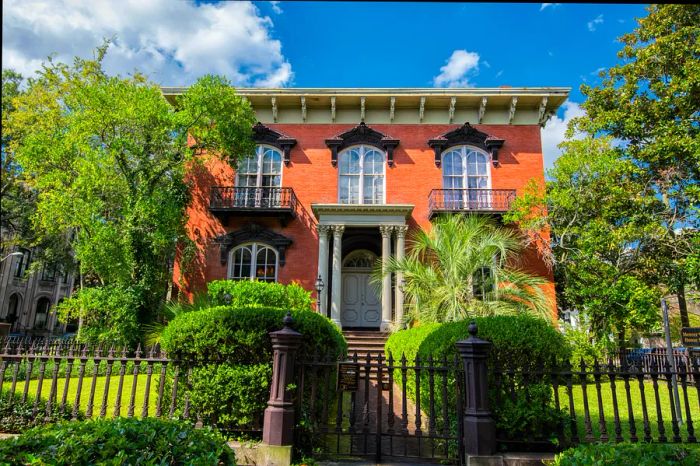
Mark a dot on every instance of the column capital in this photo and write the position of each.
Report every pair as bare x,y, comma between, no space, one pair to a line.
323,229
338,229
401,230
386,230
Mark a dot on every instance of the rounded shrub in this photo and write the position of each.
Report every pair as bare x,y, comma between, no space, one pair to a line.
230,352
520,343
241,293
118,441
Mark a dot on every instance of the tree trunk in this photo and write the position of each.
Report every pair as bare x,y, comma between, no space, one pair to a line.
682,305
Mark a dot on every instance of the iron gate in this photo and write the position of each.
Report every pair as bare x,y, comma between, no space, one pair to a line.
375,407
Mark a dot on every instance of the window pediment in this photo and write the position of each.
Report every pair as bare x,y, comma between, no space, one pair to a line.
264,135
252,233
466,135
362,134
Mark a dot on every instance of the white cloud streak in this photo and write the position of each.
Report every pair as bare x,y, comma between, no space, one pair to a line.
172,42
457,72
593,24
543,6
554,131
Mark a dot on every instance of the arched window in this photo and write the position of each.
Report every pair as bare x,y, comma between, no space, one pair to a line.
253,261
257,176
361,176
42,313
466,178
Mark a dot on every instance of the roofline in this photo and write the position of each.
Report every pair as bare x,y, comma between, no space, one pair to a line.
390,91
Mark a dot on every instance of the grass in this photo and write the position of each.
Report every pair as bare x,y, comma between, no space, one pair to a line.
100,386
624,411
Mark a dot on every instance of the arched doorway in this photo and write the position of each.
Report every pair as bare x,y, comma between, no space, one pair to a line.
42,313
360,305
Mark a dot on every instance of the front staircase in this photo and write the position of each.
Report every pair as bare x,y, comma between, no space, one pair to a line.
365,341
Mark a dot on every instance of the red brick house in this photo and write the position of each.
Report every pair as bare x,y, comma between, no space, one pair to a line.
341,176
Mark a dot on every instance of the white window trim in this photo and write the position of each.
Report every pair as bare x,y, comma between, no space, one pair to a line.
253,246
362,148
464,152
259,151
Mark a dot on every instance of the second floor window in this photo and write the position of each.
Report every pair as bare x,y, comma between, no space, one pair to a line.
361,176
465,177
263,170
22,263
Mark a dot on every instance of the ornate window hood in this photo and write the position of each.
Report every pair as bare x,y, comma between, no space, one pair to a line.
252,233
264,135
362,134
466,135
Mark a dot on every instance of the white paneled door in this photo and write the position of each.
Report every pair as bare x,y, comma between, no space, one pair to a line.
361,306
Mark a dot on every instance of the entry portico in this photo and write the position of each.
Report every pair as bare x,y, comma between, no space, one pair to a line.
336,220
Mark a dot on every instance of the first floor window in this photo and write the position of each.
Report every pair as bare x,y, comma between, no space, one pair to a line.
42,312
253,261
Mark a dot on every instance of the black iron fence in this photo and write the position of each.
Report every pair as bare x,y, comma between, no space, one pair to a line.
256,198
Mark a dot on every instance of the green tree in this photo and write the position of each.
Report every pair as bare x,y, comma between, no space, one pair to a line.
649,103
108,157
465,266
18,200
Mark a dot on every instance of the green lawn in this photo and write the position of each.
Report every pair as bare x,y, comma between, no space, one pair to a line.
637,409
100,385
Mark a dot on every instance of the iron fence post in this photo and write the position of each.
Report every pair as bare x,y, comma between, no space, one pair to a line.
479,433
278,423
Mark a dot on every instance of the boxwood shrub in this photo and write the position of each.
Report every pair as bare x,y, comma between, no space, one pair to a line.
630,454
255,293
519,343
230,351
118,441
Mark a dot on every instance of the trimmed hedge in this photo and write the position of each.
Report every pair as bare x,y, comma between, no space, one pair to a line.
519,343
254,293
118,441
630,454
230,351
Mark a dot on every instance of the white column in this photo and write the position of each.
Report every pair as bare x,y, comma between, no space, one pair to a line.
400,249
337,259
386,280
323,266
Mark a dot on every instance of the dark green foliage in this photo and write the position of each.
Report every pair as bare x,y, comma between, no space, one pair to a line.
520,343
231,352
17,416
255,293
629,454
118,441
241,335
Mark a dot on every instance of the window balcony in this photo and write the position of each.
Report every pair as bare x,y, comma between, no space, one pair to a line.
488,201
226,201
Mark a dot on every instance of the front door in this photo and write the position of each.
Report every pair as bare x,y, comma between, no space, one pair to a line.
361,307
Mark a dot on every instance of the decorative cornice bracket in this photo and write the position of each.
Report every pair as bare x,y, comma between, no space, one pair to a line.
252,232
362,134
264,135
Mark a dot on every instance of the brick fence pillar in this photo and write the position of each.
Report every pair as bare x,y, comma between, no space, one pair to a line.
479,426
278,426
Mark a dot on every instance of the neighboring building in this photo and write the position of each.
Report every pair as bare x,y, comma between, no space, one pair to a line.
27,300
341,177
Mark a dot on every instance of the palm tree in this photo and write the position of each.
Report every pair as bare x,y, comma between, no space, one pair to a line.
465,266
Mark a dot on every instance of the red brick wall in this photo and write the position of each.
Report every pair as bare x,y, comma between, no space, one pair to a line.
315,180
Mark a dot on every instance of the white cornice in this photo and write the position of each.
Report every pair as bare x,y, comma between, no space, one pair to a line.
395,210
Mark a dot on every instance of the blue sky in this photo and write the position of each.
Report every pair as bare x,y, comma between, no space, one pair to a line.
332,44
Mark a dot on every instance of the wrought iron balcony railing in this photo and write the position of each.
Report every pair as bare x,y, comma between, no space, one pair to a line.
227,200
470,200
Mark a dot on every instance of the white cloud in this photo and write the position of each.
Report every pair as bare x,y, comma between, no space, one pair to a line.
172,42
554,130
458,70
276,7
593,24
547,5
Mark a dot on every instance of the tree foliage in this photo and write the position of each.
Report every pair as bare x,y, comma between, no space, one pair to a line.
466,266
622,200
108,156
